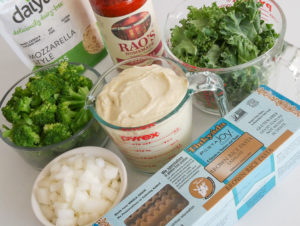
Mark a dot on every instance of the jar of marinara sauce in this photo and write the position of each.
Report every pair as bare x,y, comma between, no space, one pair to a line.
128,28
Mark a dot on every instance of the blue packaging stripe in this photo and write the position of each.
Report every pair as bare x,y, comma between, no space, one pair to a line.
258,196
262,171
281,97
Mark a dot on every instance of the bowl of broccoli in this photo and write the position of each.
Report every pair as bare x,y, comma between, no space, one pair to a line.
239,40
44,113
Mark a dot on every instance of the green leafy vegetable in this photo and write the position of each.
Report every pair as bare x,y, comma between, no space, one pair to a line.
50,108
213,37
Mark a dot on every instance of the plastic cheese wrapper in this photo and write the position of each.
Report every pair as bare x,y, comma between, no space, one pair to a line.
45,31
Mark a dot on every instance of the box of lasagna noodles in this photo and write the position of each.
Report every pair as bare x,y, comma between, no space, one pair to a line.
223,173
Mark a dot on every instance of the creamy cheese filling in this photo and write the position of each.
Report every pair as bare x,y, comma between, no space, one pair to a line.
141,95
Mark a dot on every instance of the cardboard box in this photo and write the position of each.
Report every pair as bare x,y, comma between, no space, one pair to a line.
222,174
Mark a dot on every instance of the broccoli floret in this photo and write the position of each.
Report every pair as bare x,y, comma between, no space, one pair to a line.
23,104
16,107
76,69
23,135
50,108
54,133
36,101
72,77
25,118
81,119
19,92
10,114
67,69
74,99
85,82
62,67
71,108
64,114
47,87
44,114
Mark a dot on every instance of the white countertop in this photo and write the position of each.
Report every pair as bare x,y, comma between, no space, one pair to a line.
279,207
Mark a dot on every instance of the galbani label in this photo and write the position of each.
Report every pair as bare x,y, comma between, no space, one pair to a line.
134,34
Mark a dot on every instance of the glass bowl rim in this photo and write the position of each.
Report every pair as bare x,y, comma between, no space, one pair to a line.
51,146
252,62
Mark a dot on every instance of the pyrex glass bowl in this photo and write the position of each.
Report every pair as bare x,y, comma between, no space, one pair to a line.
258,70
38,157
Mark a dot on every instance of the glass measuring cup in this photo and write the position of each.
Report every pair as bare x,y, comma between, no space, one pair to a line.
149,146
242,79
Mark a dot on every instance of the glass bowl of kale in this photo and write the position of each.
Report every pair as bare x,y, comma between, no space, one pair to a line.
240,40
44,113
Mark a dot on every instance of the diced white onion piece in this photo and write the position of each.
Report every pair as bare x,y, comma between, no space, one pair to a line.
92,205
77,173
60,205
78,163
67,191
55,168
84,218
110,172
100,162
53,196
88,177
55,186
96,190
71,160
78,190
115,185
47,211
45,182
64,213
65,173
83,186
109,193
42,195
105,182
106,204
100,207
94,169
79,199
65,222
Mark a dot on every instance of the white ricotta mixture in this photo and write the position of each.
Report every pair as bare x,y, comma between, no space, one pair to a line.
141,95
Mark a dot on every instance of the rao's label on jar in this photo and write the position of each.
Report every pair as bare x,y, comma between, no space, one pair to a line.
131,35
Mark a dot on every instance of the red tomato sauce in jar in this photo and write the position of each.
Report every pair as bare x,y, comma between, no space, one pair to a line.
128,27
114,8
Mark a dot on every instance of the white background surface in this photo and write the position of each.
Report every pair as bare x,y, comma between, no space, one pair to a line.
279,207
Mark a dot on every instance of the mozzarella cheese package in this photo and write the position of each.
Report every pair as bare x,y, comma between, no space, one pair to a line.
41,32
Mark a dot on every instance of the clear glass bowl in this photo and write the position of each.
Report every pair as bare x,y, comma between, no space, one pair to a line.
38,157
258,70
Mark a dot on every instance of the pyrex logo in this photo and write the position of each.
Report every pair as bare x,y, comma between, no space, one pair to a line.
25,11
140,138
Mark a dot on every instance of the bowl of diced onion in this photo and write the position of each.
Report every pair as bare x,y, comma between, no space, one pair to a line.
78,187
